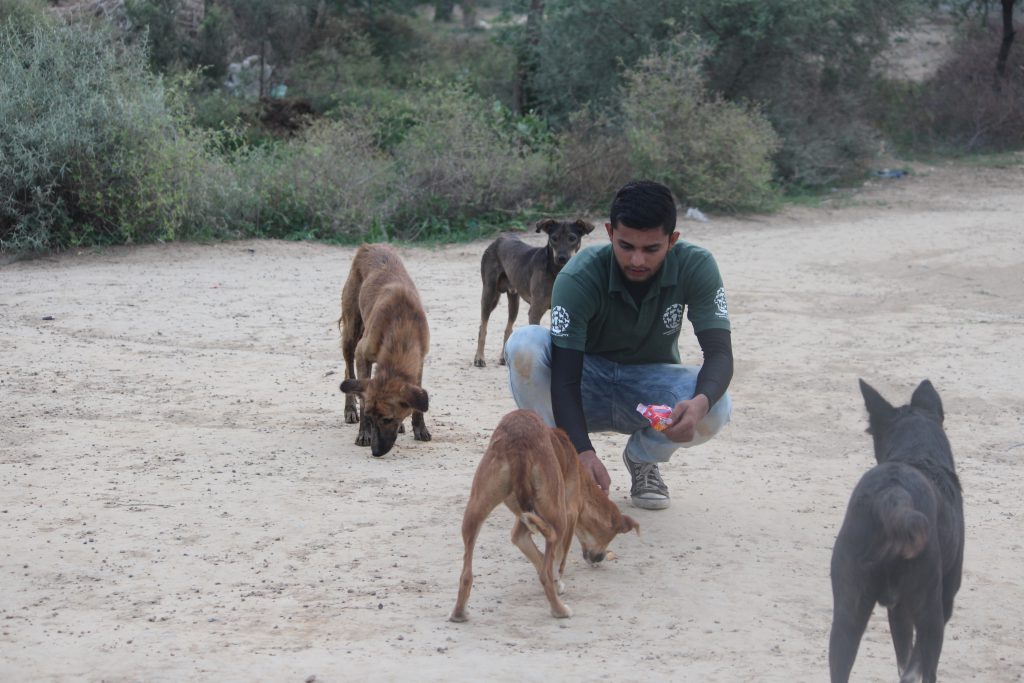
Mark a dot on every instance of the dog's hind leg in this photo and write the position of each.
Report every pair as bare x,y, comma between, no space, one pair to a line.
924,663
488,302
849,619
546,565
477,511
513,313
522,540
901,628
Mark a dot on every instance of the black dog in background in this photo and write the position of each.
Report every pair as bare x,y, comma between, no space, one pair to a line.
902,541
511,266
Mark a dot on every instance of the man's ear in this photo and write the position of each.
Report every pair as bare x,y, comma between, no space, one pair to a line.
416,397
545,225
584,226
354,386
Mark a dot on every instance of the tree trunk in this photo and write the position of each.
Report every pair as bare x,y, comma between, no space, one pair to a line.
263,62
526,60
1004,48
443,10
468,13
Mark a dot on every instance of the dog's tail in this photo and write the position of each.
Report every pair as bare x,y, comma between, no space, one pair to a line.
537,525
525,495
905,528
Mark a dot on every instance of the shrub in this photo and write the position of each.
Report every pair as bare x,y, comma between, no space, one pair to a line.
77,109
23,14
593,160
458,159
965,106
329,182
96,150
711,152
826,133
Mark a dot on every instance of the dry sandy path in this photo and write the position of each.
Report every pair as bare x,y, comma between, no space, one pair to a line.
180,499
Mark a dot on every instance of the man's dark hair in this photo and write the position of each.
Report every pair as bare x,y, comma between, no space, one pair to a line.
644,205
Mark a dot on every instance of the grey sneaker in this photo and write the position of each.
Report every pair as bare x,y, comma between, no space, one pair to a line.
648,490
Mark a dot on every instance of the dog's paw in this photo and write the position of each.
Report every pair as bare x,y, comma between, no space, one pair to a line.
561,587
401,428
362,440
563,613
457,617
479,362
351,416
421,434
501,361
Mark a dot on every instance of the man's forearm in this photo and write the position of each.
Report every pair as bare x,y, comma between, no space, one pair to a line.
566,397
716,373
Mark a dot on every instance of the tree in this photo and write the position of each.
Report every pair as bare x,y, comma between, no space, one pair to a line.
1008,33
526,60
443,10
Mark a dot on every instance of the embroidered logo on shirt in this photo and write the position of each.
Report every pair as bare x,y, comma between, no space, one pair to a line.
559,321
723,308
673,318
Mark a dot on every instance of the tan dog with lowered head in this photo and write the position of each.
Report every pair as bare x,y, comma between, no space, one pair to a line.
384,339
535,471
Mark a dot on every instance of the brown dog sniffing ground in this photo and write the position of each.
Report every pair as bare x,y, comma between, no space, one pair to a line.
383,330
535,471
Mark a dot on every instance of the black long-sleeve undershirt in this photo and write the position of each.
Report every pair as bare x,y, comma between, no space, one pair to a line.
567,371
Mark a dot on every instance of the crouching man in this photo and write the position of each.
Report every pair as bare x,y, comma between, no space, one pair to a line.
616,315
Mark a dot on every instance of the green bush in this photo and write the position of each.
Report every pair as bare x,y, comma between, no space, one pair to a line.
966,107
76,108
96,150
329,182
712,153
23,14
458,159
593,160
827,135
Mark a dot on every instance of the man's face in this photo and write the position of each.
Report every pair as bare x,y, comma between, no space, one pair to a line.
639,253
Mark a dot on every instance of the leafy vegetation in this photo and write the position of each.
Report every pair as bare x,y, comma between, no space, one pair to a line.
350,120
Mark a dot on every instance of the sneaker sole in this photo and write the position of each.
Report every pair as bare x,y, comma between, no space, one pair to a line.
651,503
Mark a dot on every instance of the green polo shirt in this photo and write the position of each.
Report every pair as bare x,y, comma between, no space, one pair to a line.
591,310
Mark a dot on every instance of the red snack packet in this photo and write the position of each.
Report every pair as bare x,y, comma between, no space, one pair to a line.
660,416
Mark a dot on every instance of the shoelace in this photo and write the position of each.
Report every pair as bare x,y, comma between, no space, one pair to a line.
649,478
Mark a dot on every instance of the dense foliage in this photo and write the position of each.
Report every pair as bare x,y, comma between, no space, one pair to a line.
352,119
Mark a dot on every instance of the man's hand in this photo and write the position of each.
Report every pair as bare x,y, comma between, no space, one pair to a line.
596,469
685,417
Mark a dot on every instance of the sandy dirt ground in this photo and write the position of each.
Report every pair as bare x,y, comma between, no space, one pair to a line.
181,500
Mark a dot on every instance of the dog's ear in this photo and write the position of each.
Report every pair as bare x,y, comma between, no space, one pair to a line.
416,397
354,386
927,398
879,410
545,225
585,227
629,524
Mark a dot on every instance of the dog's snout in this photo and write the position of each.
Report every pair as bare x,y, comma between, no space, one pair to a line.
380,443
561,259
592,557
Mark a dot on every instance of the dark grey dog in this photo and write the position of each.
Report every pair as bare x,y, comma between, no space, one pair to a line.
902,541
511,266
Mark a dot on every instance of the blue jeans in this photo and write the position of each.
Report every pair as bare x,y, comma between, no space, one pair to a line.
611,392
